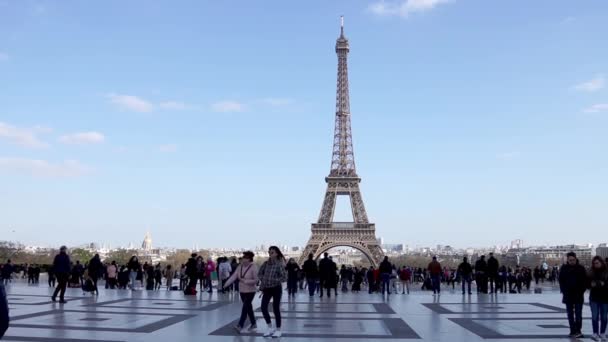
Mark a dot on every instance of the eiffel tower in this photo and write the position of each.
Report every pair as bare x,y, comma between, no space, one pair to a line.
343,181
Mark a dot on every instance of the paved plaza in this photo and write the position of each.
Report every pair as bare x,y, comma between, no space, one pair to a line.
151,316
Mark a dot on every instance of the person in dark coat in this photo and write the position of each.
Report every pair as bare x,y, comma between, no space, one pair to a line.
311,272
326,278
95,269
61,266
386,269
465,271
598,297
327,274
191,271
493,273
292,268
573,284
4,312
481,275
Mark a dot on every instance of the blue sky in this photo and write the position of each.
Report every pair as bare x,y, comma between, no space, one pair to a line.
210,123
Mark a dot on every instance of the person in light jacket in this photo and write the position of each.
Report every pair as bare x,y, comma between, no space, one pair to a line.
247,275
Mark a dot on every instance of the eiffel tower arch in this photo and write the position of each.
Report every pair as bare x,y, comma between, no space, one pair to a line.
343,181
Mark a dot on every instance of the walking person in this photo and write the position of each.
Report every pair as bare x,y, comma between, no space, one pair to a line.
573,284
311,272
385,275
292,277
247,275
61,265
481,275
169,275
209,269
405,276
325,274
191,274
200,272
95,270
434,269
51,274
7,272
493,273
224,270
4,311
272,275
133,266
598,298
158,277
465,272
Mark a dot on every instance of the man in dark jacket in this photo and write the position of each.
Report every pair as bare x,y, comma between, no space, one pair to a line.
464,271
191,271
3,311
95,270
434,269
386,269
572,284
61,266
325,266
493,273
7,272
481,275
311,272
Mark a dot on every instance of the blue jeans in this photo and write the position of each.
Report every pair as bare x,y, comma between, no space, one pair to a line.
599,313
3,311
312,286
436,281
575,316
467,280
386,279
133,278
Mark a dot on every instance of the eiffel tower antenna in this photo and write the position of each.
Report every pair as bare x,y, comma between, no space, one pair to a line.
343,181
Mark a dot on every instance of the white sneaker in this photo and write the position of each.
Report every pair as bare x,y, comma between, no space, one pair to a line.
277,334
269,332
596,337
603,337
252,327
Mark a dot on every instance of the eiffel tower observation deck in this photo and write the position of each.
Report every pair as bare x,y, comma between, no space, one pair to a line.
343,180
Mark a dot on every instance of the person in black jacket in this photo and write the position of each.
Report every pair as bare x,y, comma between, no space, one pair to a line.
191,271
325,266
464,271
493,273
385,275
311,272
292,277
598,297
573,284
4,313
481,276
95,269
61,266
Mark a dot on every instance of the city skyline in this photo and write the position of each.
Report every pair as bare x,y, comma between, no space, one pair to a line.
198,122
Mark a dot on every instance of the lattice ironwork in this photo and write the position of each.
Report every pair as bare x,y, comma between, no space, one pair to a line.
343,181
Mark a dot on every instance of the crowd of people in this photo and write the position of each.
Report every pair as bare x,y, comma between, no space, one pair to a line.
321,278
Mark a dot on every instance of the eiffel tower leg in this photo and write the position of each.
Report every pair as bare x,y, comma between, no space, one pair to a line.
329,205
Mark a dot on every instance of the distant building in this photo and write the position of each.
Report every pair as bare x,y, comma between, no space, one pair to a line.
147,244
602,250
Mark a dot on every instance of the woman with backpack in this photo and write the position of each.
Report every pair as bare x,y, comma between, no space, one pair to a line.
247,275
272,275
598,298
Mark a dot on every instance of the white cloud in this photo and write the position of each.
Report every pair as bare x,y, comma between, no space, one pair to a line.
173,105
403,8
82,138
26,137
592,85
168,148
131,103
277,101
596,108
227,106
43,168
3,57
